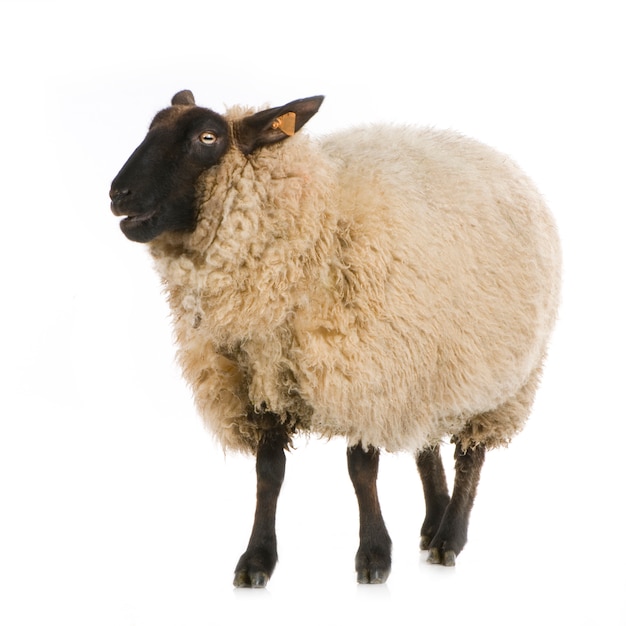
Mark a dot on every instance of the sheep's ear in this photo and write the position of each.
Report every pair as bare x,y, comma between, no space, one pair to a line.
275,124
184,97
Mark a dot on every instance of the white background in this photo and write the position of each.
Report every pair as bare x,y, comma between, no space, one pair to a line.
116,506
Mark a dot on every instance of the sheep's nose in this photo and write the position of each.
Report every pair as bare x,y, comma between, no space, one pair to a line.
117,194
117,197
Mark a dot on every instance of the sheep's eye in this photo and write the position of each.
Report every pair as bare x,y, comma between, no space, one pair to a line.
207,138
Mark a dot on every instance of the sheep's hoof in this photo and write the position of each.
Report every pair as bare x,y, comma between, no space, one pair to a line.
446,558
255,580
373,565
255,567
372,577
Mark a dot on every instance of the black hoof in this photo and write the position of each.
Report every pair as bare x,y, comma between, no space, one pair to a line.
446,545
373,566
255,568
254,580
446,558
372,577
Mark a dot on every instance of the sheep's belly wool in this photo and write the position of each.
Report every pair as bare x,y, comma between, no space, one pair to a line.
390,285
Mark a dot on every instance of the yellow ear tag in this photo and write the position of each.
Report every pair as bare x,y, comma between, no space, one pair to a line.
286,123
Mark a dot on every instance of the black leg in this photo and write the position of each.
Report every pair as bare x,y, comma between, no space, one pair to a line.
452,534
436,494
257,563
373,558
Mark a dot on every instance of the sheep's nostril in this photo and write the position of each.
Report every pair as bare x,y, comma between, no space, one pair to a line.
117,196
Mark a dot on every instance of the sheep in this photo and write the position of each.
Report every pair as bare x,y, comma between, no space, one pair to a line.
391,285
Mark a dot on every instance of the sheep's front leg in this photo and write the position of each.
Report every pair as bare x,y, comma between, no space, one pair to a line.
373,558
436,496
257,563
452,533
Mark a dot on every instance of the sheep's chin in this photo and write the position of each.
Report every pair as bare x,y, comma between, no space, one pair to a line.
139,228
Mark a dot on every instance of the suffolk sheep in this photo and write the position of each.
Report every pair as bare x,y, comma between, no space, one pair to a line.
390,285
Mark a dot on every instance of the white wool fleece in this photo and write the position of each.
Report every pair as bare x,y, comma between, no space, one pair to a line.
387,284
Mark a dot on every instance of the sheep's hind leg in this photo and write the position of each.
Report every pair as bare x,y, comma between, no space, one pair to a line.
257,563
451,536
436,494
373,558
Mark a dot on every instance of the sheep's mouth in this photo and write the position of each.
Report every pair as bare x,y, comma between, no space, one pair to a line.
138,219
139,227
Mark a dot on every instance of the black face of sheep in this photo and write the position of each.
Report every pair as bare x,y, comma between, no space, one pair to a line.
155,189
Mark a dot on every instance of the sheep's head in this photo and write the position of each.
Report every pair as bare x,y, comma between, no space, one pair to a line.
155,189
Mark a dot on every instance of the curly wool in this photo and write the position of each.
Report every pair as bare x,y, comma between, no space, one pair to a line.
389,285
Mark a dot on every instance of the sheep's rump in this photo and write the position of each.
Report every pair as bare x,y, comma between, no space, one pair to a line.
390,285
